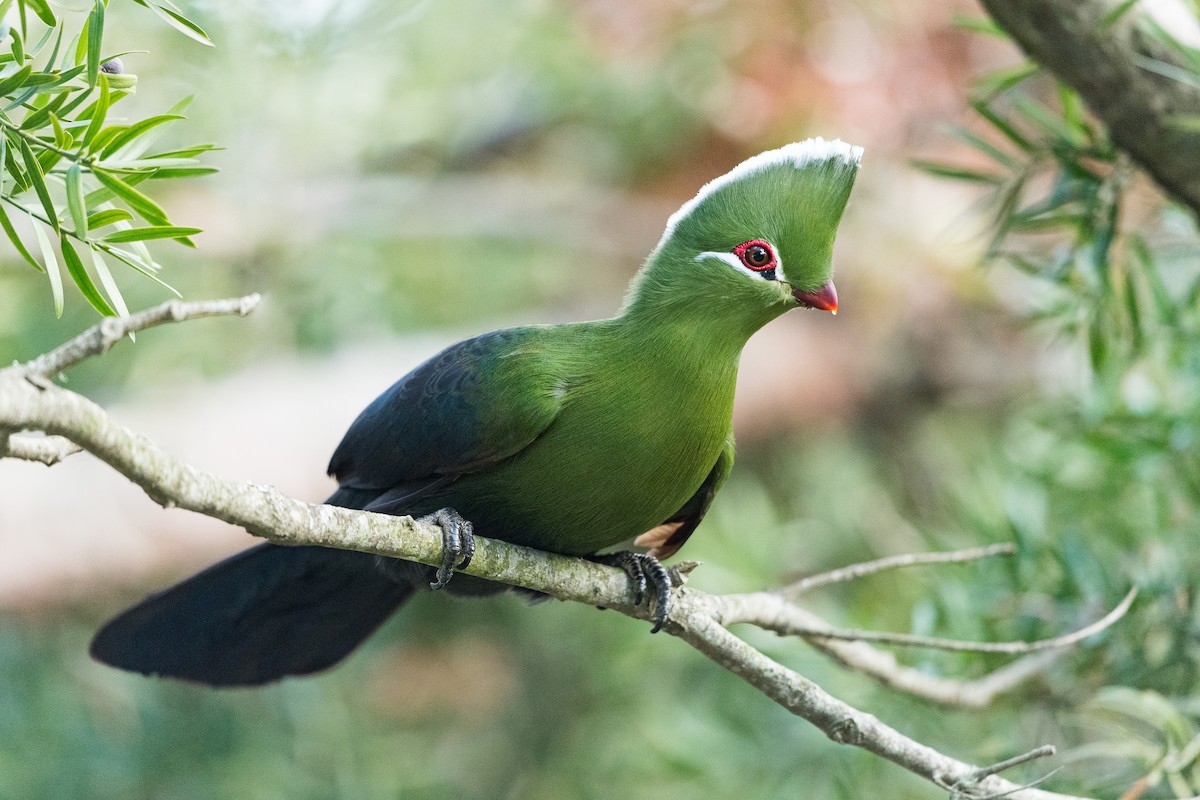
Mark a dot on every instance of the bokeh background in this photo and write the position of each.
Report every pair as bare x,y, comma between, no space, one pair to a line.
400,175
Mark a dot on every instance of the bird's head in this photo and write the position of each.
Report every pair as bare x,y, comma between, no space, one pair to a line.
758,240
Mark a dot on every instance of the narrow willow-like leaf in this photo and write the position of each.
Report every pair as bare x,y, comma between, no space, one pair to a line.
958,173
978,25
62,139
184,172
36,50
99,112
1004,126
52,269
42,9
983,146
107,217
101,139
6,223
75,202
134,262
15,81
38,180
18,46
139,202
179,23
61,29
134,131
102,195
1111,18
146,234
110,285
39,118
1001,80
1180,74
83,280
95,35
187,152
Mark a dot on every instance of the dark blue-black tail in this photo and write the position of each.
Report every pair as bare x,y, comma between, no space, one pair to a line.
257,617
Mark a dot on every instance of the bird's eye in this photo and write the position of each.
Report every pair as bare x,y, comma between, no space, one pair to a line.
756,255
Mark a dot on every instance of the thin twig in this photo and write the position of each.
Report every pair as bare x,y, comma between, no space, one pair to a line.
937,643
49,450
103,335
855,571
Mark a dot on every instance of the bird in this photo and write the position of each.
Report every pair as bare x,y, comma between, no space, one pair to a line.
572,438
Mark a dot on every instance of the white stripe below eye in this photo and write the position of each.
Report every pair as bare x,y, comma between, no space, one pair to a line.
735,262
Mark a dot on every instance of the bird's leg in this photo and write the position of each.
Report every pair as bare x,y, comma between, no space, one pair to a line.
644,571
458,543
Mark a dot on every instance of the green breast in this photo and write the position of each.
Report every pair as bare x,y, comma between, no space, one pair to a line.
638,433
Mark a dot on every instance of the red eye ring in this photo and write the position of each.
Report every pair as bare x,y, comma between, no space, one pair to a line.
756,255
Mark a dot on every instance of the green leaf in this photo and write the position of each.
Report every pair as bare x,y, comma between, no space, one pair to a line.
187,152
134,131
99,112
154,232
75,202
83,280
183,172
95,35
1001,80
6,223
1180,74
139,202
39,118
18,46
52,269
38,180
42,9
1111,18
15,81
110,285
54,50
983,146
178,22
135,263
958,173
107,217
137,164
978,25
1004,126
102,195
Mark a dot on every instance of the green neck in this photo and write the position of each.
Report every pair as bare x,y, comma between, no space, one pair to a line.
696,316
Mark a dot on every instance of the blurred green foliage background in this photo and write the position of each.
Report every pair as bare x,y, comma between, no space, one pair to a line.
436,168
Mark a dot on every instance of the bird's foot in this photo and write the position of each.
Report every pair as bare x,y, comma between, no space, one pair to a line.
645,572
458,543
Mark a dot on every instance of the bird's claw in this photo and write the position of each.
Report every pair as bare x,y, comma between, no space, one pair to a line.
458,543
645,572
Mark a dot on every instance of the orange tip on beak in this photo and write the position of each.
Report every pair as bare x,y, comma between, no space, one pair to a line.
824,299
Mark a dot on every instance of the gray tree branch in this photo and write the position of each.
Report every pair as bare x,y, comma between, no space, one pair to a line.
29,401
1110,64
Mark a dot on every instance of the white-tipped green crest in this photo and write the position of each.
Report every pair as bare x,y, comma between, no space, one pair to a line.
796,155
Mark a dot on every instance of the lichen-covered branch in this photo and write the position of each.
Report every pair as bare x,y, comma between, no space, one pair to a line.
29,401
1111,65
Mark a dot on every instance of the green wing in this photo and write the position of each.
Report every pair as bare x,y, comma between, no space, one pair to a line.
666,539
464,410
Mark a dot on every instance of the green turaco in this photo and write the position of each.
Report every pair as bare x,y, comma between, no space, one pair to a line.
570,438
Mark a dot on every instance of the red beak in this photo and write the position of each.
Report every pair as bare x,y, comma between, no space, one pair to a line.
824,298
